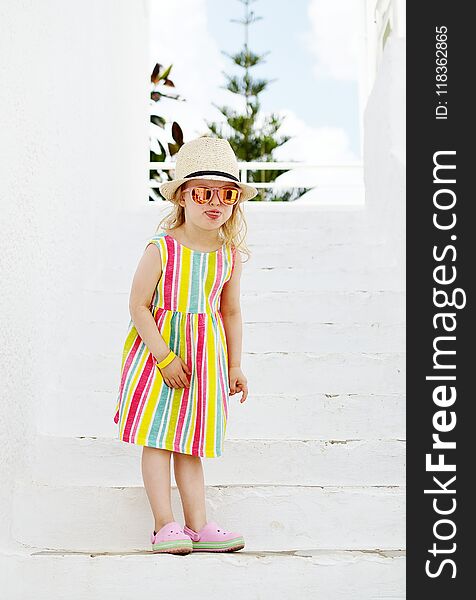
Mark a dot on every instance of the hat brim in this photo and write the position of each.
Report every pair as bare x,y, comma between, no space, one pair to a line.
169,188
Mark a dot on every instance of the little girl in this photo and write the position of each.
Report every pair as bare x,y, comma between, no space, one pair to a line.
182,354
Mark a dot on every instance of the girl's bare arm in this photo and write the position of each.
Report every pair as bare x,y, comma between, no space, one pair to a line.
231,312
146,277
230,309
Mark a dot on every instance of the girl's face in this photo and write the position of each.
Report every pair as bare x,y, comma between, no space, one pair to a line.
211,215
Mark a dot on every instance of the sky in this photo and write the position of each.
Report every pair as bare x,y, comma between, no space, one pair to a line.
313,60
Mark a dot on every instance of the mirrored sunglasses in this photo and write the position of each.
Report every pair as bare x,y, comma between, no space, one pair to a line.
202,194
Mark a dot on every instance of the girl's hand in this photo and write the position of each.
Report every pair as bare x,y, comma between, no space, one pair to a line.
175,373
238,382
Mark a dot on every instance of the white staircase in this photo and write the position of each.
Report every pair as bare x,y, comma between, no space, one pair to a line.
313,468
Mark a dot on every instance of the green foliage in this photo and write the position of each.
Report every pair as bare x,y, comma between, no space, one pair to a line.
162,88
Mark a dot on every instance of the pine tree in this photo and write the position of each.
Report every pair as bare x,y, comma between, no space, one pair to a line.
251,137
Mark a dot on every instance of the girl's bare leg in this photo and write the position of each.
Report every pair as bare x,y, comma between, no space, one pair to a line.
156,476
188,473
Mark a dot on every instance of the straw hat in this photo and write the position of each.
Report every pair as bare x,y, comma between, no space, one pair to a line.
206,158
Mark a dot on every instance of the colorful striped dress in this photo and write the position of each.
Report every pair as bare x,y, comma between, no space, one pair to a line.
186,307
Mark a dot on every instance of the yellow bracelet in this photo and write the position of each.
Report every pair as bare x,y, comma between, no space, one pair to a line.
168,359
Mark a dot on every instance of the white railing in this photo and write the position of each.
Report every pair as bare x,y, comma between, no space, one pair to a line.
337,170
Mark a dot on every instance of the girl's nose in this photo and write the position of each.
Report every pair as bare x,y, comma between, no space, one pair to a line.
215,200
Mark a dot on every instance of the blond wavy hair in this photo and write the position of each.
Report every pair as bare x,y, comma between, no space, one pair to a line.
233,232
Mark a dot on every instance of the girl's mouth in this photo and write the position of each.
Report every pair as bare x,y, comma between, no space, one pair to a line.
212,214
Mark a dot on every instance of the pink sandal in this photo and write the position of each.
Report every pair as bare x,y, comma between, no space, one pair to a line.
171,538
214,538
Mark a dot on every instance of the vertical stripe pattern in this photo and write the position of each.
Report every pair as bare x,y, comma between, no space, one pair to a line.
186,308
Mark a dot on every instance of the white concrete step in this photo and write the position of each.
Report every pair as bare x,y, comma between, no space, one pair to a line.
322,232
354,273
316,255
283,336
330,307
330,278
111,462
328,575
318,417
91,378
321,227
284,518
314,415
336,373
325,306
317,242
281,238
283,219
324,337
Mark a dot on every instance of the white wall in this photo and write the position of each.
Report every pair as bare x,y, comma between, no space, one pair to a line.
73,148
384,152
